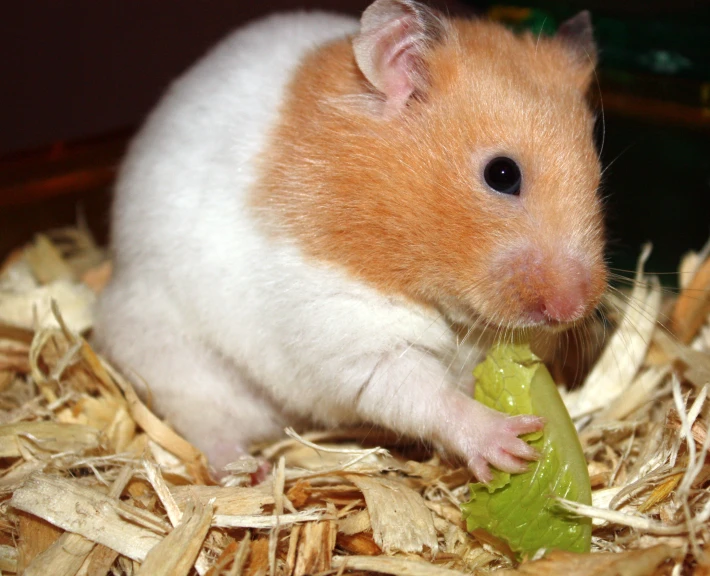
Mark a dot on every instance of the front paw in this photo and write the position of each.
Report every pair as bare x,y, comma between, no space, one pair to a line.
491,439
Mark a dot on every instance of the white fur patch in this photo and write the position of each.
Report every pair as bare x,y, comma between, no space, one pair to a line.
229,327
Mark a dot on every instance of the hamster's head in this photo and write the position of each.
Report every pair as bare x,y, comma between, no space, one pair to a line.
449,161
496,159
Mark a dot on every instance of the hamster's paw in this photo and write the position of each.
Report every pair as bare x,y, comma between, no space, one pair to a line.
223,451
493,441
225,457
262,472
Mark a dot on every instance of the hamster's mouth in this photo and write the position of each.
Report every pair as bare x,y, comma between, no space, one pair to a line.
473,319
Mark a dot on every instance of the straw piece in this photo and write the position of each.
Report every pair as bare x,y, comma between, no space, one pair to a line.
629,563
97,278
661,492
693,305
236,554
177,552
228,501
639,522
75,300
278,481
636,395
241,556
84,511
613,372
47,436
8,558
159,432
358,544
107,386
174,514
255,521
161,489
13,356
395,566
322,459
244,464
67,555
389,502
355,523
649,483
698,362
315,548
99,561
46,262
35,536
120,431
18,335
13,479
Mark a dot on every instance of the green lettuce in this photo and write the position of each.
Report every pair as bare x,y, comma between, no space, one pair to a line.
521,508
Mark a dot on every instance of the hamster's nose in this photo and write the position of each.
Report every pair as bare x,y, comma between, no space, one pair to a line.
564,294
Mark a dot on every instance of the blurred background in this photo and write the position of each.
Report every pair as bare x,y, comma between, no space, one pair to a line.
78,76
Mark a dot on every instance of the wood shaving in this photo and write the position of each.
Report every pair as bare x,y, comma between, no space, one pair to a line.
51,437
94,483
389,502
176,554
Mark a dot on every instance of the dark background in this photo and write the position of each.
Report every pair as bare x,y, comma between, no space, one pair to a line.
77,68
77,77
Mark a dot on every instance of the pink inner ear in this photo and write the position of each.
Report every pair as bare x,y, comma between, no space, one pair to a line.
387,55
395,59
394,36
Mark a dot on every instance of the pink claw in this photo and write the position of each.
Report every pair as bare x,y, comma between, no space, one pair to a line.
487,438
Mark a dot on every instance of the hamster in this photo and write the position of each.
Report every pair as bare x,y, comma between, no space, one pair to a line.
329,221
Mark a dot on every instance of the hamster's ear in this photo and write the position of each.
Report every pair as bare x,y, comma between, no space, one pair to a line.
577,35
389,50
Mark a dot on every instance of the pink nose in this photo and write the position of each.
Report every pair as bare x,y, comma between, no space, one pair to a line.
562,292
565,304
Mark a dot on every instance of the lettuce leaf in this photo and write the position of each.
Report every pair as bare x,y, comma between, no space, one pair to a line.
520,508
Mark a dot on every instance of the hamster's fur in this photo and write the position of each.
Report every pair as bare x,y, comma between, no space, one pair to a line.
301,231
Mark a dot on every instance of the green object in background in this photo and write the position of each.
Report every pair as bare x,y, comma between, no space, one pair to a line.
521,19
521,508
656,170
644,54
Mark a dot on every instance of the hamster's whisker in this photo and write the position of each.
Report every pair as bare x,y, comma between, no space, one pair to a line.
475,347
454,356
539,34
646,283
423,332
651,273
475,325
662,320
632,303
601,103
586,346
415,368
611,163
691,293
615,354
581,348
670,291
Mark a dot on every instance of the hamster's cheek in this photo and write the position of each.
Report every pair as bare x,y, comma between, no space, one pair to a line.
532,286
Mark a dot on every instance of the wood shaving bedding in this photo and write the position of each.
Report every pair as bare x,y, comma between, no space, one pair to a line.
93,483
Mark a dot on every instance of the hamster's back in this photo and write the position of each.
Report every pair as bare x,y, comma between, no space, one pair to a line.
192,163
186,246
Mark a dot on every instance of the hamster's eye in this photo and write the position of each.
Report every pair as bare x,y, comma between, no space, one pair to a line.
503,175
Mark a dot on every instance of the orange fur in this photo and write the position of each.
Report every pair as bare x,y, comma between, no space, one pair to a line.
399,201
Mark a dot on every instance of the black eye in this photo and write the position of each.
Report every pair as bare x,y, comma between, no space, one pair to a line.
503,175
